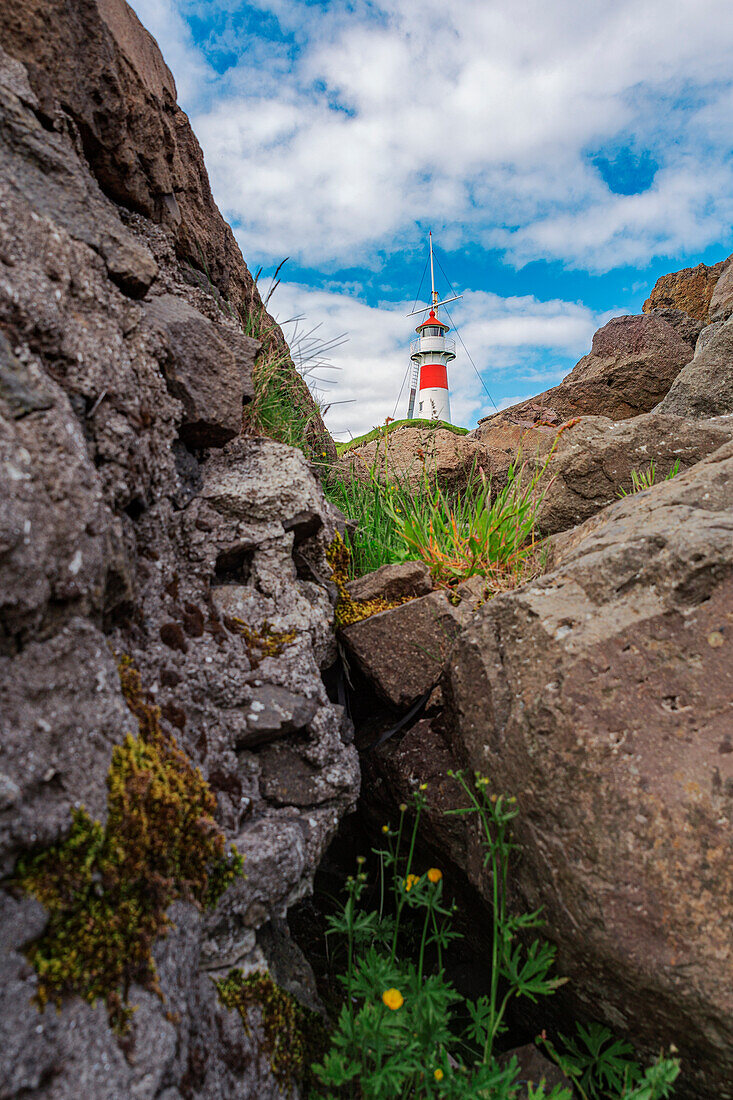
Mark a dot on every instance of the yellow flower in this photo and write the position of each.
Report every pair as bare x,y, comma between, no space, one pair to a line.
438,1075
385,828
423,787
435,874
410,881
393,999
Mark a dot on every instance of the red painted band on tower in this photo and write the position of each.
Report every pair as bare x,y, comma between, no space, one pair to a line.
433,376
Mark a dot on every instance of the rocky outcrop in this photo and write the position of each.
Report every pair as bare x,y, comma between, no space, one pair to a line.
689,290
139,529
600,695
631,366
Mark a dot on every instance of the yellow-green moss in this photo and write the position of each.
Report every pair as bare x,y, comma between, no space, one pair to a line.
349,610
294,1037
261,641
107,888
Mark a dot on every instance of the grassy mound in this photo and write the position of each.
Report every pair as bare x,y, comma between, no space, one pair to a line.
359,440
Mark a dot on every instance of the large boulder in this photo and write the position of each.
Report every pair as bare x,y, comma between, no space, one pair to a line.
704,387
600,695
631,366
595,458
690,290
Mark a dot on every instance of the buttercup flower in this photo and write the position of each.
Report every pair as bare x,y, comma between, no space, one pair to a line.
385,828
410,881
393,999
435,874
438,1075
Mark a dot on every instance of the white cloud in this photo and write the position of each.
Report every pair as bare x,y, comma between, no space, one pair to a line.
505,336
371,117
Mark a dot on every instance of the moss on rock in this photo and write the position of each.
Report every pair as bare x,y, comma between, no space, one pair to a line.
107,887
349,610
294,1037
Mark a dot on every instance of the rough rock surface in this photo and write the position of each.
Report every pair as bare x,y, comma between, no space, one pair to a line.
631,366
126,529
446,457
595,459
689,290
616,738
403,651
704,387
391,582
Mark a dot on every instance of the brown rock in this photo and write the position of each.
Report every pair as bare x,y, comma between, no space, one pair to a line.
448,459
632,364
689,290
534,1069
595,459
403,651
610,736
392,582
207,367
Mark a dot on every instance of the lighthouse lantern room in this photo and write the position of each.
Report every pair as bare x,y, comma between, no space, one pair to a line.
430,354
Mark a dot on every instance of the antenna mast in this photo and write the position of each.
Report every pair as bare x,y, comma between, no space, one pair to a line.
434,295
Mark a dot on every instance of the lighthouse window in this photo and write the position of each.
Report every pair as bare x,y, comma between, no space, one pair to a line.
433,330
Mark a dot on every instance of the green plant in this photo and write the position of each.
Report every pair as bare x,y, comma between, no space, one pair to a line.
399,1031
107,888
601,1066
644,479
458,534
396,1033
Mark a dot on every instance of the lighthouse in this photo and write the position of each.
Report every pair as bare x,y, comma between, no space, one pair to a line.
430,355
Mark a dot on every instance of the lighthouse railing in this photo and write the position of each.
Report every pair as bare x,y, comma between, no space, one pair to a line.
432,343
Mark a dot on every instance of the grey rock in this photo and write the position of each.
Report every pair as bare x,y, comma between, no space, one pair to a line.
391,582
19,391
721,303
705,387
274,712
207,367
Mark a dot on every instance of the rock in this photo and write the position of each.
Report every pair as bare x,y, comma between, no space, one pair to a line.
689,290
615,738
534,1069
448,459
117,540
704,388
631,366
595,458
392,582
208,368
273,712
403,651
721,303
62,714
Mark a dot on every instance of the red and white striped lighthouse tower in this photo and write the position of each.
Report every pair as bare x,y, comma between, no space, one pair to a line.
431,353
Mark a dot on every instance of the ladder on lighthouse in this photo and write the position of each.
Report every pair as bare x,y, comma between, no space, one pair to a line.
436,348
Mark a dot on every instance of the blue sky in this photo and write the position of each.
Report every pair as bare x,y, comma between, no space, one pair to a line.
564,152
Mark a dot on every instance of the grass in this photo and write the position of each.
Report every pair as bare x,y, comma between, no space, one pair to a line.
459,534
644,479
392,426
